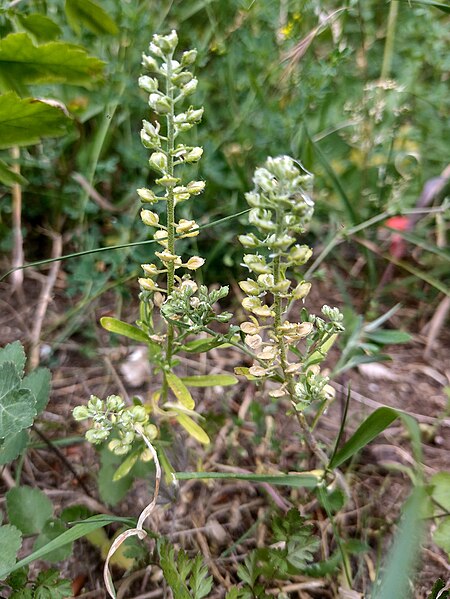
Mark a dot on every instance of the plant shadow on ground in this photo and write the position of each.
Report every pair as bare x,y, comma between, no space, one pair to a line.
224,520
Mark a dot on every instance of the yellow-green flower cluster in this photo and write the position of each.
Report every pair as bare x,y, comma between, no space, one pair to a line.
281,210
172,84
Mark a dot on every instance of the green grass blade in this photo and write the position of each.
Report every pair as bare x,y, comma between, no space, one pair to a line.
402,558
305,480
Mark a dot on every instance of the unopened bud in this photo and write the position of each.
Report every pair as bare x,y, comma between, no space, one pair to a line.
194,155
188,58
80,413
249,287
158,161
301,291
195,262
149,218
190,87
148,84
195,187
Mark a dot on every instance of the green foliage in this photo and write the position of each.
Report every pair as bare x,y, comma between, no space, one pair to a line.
22,63
48,585
26,121
10,543
439,490
187,578
22,399
436,590
85,13
28,509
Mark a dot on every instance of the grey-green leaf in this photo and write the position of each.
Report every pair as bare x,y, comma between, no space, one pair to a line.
17,406
28,509
21,63
24,122
38,382
13,446
14,352
10,542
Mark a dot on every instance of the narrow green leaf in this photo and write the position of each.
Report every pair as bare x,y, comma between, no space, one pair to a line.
367,431
199,346
9,177
180,390
113,325
22,63
433,3
389,337
193,428
40,26
402,558
111,491
90,15
24,122
126,466
74,533
210,380
28,509
51,530
10,542
299,480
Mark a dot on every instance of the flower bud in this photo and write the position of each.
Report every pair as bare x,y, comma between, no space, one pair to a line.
158,161
249,287
300,254
269,352
96,436
249,328
256,264
148,84
182,78
151,432
150,270
194,115
190,87
114,403
266,281
80,413
253,341
167,181
149,142
249,241
188,58
160,104
161,237
194,155
147,284
95,404
149,218
301,291
147,195
139,413
150,63
118,447
256,370
186,226
167,256
195,187
195,262
181,193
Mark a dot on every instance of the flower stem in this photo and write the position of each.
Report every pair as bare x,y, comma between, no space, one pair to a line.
170,204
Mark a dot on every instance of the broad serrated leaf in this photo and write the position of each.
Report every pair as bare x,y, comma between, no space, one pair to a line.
9,177
51,530
14,352
17,406
28,509
210,380
10,542
180,391
40,26
193,428
22,63
27,121
13,446
113,325
90,15
38,382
